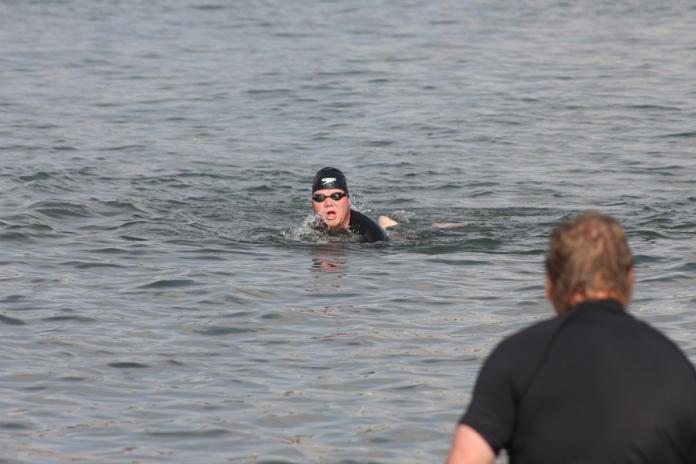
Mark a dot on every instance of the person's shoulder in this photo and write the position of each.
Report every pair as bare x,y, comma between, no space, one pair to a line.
526,344
358,217
660,340
536,332
515,358
368,229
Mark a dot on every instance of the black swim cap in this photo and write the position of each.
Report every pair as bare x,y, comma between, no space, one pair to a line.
329,178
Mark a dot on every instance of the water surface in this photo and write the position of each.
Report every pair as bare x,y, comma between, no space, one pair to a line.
162,299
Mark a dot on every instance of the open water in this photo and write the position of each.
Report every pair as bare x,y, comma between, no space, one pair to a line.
161,298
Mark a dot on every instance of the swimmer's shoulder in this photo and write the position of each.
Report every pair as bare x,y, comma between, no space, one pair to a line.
367,228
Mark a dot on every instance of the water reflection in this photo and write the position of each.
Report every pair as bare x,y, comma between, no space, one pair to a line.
329,258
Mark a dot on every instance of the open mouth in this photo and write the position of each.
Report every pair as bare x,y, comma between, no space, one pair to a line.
330,215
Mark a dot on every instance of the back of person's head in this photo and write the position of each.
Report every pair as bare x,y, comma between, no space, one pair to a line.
588,254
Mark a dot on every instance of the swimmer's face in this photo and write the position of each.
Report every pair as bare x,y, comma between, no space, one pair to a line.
334,213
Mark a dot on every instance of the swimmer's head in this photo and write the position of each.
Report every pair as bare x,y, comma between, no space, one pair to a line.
329,178
330,199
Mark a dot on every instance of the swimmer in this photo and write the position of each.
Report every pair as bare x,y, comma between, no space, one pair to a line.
331,203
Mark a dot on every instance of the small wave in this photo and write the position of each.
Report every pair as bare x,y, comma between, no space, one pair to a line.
224,331
61,210
647,259
668,277
680,135
125,148
14,237
110,251
63,148
128,224
688,267
32,227
128,365
119,207
14,426
13,299
36,176
260,189
170,283
211,433
11,320
205,175
91,265
461,262
209,7
653,107
68,318
270,92
381,143
25,232
649,235
130,238
665,170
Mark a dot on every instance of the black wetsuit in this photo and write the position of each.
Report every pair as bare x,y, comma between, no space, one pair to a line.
366,228
362,226
592,386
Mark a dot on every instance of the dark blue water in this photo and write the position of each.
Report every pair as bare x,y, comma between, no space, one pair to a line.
162,298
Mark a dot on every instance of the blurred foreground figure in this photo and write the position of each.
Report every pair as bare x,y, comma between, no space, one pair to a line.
592,385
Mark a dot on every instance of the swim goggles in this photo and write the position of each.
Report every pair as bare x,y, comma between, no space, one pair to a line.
319,197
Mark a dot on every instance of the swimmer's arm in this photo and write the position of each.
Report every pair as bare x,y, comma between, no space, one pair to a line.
469,447
448,225
386,222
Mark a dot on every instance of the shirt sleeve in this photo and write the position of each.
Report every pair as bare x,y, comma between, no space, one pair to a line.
492,410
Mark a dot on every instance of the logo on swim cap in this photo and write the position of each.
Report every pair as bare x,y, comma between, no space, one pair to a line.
327,178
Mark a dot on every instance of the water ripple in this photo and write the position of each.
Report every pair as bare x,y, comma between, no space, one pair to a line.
170,283
128,365
11,320
165,297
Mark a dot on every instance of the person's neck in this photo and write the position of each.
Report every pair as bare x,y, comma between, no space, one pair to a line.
596,295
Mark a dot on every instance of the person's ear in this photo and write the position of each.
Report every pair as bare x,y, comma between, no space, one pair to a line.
549,289
631,278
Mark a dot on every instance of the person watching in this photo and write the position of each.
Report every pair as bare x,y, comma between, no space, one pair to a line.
592,385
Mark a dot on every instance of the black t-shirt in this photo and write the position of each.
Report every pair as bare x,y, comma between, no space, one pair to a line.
592,386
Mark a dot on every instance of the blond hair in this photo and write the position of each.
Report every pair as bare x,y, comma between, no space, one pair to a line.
587,254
